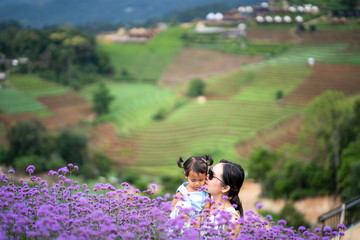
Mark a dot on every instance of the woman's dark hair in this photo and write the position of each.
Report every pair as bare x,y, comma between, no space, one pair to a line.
233,176
197,164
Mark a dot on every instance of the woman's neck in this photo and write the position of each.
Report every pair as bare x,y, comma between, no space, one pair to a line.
225,203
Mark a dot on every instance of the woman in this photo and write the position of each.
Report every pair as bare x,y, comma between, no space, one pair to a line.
223,184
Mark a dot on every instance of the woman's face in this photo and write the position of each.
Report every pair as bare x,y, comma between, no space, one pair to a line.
214,185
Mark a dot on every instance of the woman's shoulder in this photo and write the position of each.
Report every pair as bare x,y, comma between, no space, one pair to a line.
233,211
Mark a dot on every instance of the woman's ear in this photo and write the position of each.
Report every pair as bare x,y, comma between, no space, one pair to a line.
226,189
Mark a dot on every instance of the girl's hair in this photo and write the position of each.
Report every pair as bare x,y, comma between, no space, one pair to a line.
233,176
197,164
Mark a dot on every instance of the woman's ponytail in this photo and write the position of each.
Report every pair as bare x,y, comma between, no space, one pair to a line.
233,176
236,200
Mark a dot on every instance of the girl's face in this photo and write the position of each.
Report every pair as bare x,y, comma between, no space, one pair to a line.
214,185
196,180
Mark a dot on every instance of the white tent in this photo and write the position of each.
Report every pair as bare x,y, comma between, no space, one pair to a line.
287,19
269,19
299,19
292,9
277,19
259,19
210,16
219,16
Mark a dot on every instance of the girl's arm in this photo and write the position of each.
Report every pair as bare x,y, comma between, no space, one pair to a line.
206,206
176,200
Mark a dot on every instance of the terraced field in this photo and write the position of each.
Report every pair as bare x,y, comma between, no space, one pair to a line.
270,80
36,86
291,35
283,133
324,76
134,105
217,126
214,127
67,110
14,101
152,57
343,78
31,96
193,63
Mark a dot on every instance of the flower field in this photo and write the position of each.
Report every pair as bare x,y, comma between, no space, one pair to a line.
68,210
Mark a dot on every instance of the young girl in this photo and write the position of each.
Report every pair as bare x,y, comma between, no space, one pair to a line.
190,194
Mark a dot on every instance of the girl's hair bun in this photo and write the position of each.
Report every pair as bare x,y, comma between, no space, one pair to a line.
180,162
208,159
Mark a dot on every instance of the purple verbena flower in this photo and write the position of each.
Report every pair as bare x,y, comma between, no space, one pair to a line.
327,229
259,205
30,169
341,226
63,170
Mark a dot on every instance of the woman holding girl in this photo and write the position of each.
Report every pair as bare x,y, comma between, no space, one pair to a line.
223,184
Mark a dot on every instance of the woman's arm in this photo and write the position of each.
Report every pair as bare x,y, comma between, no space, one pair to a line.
237,229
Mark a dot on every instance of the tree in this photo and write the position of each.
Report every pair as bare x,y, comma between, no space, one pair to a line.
349,170
72,147
102,163
292,216
324,117
279,95
261,162
102,99
196,88
349,4
26,138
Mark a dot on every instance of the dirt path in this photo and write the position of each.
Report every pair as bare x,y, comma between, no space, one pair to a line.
352,233
311,207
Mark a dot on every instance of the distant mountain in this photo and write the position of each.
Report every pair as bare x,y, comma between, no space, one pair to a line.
47,12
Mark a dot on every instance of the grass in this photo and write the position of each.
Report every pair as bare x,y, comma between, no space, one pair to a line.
245,48
217,42
14,101
36,86
134,105
272,79
350,55
273,26
214,127
229,84
153,56
2,131
21,97
326,26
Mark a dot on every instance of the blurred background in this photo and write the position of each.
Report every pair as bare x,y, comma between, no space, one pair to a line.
124,88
